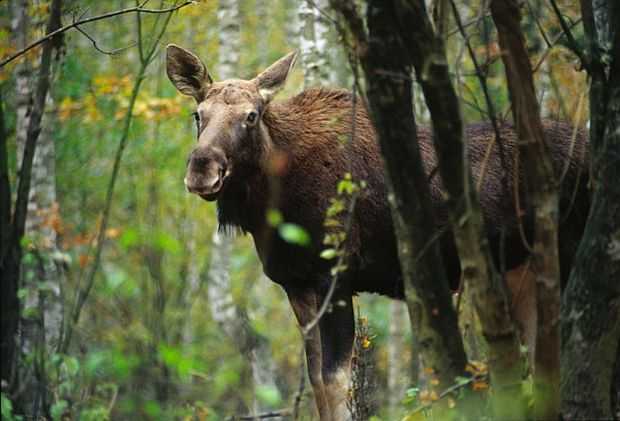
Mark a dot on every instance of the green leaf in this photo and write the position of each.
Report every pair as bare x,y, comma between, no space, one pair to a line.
166,242
22,293
7,407
269,395
328,254
129,238
274,217
58,409
152,409
72,365
95,361
294,234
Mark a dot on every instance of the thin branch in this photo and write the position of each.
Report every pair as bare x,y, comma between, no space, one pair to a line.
348,10
539,24
467,24
487,97
348,223
94,42
266,415
138,9
572,42
554,42
302,385
449,391
332,287
82,295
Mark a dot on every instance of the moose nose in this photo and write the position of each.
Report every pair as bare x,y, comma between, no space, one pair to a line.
206,173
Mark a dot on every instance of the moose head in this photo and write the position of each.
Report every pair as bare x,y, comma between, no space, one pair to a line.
232,139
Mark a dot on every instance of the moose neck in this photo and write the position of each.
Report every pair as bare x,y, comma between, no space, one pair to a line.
243,204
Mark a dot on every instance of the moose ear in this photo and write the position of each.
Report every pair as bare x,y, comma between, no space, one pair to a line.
271,80
186,72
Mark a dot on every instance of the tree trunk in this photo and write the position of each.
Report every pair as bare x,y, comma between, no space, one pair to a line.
12,249
232,318
389,92
427,54
313,43
543,194
591,301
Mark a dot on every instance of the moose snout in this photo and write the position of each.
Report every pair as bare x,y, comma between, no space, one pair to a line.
206,173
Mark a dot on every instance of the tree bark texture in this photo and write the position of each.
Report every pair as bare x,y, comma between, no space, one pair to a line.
389,92
12,250
233,319
426,52
313,43
542,189
591,301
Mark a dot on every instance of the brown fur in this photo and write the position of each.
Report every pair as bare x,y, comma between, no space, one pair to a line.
291,157
308,129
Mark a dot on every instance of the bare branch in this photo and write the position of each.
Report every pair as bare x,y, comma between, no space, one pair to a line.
572,42
94,42
137,9
83,293
266,415
332,287
449,391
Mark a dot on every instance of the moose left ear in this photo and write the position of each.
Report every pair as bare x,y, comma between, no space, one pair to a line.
186,72
271,80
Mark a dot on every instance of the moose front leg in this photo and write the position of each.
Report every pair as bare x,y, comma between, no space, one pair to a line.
337,328
328,349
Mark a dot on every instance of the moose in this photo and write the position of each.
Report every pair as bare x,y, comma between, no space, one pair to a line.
254,154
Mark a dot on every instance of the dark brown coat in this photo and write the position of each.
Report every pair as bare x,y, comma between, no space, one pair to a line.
254,154
308,130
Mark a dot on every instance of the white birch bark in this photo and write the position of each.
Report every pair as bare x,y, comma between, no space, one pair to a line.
42,305
313,43
233,319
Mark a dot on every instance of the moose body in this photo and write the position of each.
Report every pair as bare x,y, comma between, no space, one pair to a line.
254,154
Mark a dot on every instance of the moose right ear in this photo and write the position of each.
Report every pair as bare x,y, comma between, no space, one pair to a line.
186,72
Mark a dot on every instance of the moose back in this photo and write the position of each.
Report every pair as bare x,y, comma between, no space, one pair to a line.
254,154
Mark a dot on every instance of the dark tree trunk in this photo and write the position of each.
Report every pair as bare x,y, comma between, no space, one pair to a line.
591,302
11,250
389,92
9,265
541,186
427,54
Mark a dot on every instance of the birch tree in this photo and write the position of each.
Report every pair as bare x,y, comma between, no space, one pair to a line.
30,109
233,319
313,43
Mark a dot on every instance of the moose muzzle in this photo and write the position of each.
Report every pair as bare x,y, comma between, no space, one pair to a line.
206,174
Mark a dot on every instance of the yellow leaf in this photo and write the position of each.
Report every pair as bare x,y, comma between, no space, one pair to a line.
365,343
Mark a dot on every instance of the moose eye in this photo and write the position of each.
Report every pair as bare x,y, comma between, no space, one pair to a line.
251,118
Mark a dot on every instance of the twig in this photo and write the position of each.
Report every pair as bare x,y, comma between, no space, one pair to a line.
302,384
138,9
555,40
572,42
487,97
82,295
332,287
348,224
266,415
94,42
448,391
